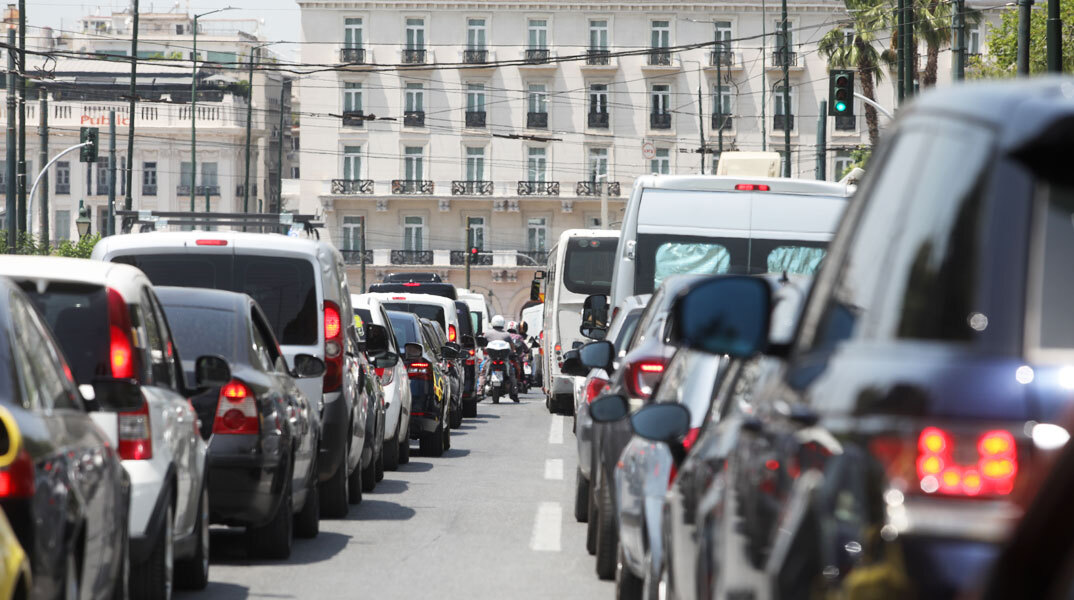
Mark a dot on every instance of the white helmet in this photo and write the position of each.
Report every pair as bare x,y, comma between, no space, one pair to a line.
497,322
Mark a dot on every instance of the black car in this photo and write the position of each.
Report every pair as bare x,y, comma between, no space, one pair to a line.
362,362
430,398
451,363
416,276
263,432
65,490
445,290
884,452
468,341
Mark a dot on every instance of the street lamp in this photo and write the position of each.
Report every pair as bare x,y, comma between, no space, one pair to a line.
194,105
82,223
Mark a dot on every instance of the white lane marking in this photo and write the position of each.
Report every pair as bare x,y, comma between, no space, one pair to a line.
555,433
553,468
546,528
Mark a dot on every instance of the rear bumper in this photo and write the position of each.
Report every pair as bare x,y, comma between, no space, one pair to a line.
245,487
563,385
426,414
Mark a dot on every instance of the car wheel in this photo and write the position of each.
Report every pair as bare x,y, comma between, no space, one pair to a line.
369,475
456,417
71,576
354,486
193,573
379,463
392,450
447,438
404,451
495,398
334,495
591,524
469,409
153,578
628,586
607,536
121,587
432,444
273,539
308,520
581,497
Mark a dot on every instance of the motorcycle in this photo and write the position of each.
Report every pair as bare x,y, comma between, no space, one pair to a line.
499,353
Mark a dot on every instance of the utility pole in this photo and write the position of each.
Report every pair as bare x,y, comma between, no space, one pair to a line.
764,79
194,116
279,153
822,141
363,254
700,132
1055,38
604,192
111,228
21,83
9,177
249,124
900,50
469,249
1024,8
787,116
910,55
128,200
959,25
720,53
43,158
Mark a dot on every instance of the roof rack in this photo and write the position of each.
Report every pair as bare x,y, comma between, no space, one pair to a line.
151,220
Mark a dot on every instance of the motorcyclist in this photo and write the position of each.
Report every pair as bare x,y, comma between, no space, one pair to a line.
518,343
498,333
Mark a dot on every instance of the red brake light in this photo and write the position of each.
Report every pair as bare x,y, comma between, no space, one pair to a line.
643,375
419,370
331,321
135,434
236,410
687,443
16,466
451,333
419,365
933,466
211,242
398,297
333,348
411,284
593,388
120,346
752,187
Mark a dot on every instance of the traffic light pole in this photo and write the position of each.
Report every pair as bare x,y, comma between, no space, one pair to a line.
1055,38
787,114
43,158
128,200
887,113
469,251
822,142
363,254
111,229
9,176
1024,8
959,25
38,179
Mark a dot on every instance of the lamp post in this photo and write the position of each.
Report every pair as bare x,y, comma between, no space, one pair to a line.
82,223
194,105
249,123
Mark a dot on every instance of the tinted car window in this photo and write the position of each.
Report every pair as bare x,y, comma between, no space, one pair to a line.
78,316
588,265
630,322
405,332
184,270
425,311
200,331
1056,327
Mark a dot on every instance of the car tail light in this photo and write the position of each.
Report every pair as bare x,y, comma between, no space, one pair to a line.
17,470
236,410
211,242
121,355
594,387
752,187
933,466
643,375
411,284
451,333
419,370
687,443
472,360
385,375
135,434
333,348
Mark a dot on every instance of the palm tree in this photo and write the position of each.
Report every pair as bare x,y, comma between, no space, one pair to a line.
932,23
855,47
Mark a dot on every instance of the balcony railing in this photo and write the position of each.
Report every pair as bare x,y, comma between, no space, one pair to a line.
660,120
727,121
353,118
471,188
414,56
538,257
412,257
416,187
845,123
481,259
184,190
660,57
598,57
595,188
62,189
537,55
538,188
723,58
779,122
239,189
352,55
475,57
147,190
475,118
357,257
537,120
780,58
414,118
598,120
352,186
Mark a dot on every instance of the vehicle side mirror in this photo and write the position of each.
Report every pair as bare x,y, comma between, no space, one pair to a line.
211,371
572,365
609,408
452,351
119,395
307,366
728,314
663,422
535,289
412,350
386,360
376,339
598,355
468,341
357,336
482,341
594,317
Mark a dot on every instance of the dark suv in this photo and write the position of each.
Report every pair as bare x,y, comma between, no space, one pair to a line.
881,457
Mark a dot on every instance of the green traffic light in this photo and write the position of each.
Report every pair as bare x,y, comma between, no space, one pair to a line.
840,107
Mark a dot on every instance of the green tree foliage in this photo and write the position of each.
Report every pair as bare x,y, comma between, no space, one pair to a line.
1002,57
27,244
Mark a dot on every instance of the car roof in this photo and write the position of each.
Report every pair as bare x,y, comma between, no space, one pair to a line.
203,297
159,242
123,278
606,233
728,183
446,303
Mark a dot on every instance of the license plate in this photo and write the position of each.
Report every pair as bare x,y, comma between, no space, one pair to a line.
497,378
527,370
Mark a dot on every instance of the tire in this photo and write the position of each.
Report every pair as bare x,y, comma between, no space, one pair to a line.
308,520
607,537
581,497
71,579
121,587
369,476
334,495
273,539
447,439
404,451
378,464
496,397
628,586
456,417
154,578
432,444
354,486
591,524
192,573
391,451
469,409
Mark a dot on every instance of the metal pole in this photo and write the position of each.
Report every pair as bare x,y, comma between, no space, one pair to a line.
960,40
363,254
887,113
43,158
9,175
128,200
822,142
41,175
111,229
787,116
21,83
719,100
249,123
900,50
279,154
193,117
1055,38
1024,7
910,56
764,79
604,192
469,249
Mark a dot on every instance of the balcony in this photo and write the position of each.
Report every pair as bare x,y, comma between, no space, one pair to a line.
184,190
659,57
412,257
352,187
596,188
414,118
660,120
353,56
63,189
537,55
780,122
239,190
598,58
414,56
532,258
147,190
538,188
353,118
537,120
722,58
727,122
475,57
471,188
597,120
846,123
481,259
357,257
781,58
412,187
475,118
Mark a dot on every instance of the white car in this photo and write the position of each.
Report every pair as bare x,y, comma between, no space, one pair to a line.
111,326
395,382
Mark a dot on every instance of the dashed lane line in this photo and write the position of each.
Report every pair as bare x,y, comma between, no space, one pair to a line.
546,527
555,433
553,468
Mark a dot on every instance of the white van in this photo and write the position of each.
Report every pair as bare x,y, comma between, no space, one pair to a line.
477,304
579,265
713,224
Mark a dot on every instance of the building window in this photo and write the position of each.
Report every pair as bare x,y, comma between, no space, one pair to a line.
536,164
538,98
598,163
475,164
661,162
352,97
475,98
149,178
784,107
352,163
778,57
660,35
352,33
722,32
352,233
537,234
598,35
62,223
208,178
415,34
102,176
415,97
63,178
294,173
538,34
841,164
973,39
722,107
475,34
476,227
592,222
598,98
186,175
413,233
414,163
661,99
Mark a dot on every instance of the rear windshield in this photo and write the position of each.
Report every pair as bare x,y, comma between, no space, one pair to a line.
405,332
425,311
77,314
284,287
199,331
588,265
463,316
661,256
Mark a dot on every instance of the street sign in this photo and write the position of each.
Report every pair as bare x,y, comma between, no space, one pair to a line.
648,150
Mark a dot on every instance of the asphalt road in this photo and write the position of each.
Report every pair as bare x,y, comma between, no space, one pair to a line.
493,518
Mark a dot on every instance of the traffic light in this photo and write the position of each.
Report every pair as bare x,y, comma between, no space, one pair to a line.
88,136
841,93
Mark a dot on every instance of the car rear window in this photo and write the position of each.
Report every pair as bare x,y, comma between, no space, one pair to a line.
200,330
588,265
77,314
425,311
445,290
405,332
284,287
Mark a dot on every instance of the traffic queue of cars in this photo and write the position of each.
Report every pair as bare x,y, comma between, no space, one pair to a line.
883,412
179,380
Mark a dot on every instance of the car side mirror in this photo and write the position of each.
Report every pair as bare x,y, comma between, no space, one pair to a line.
376,339
534,343
412,350
598,355
452,351
594,317
572,365
468,341
482,341
609,408
535,290
386,361
727,314
119,395
308,366
663,422
211,371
